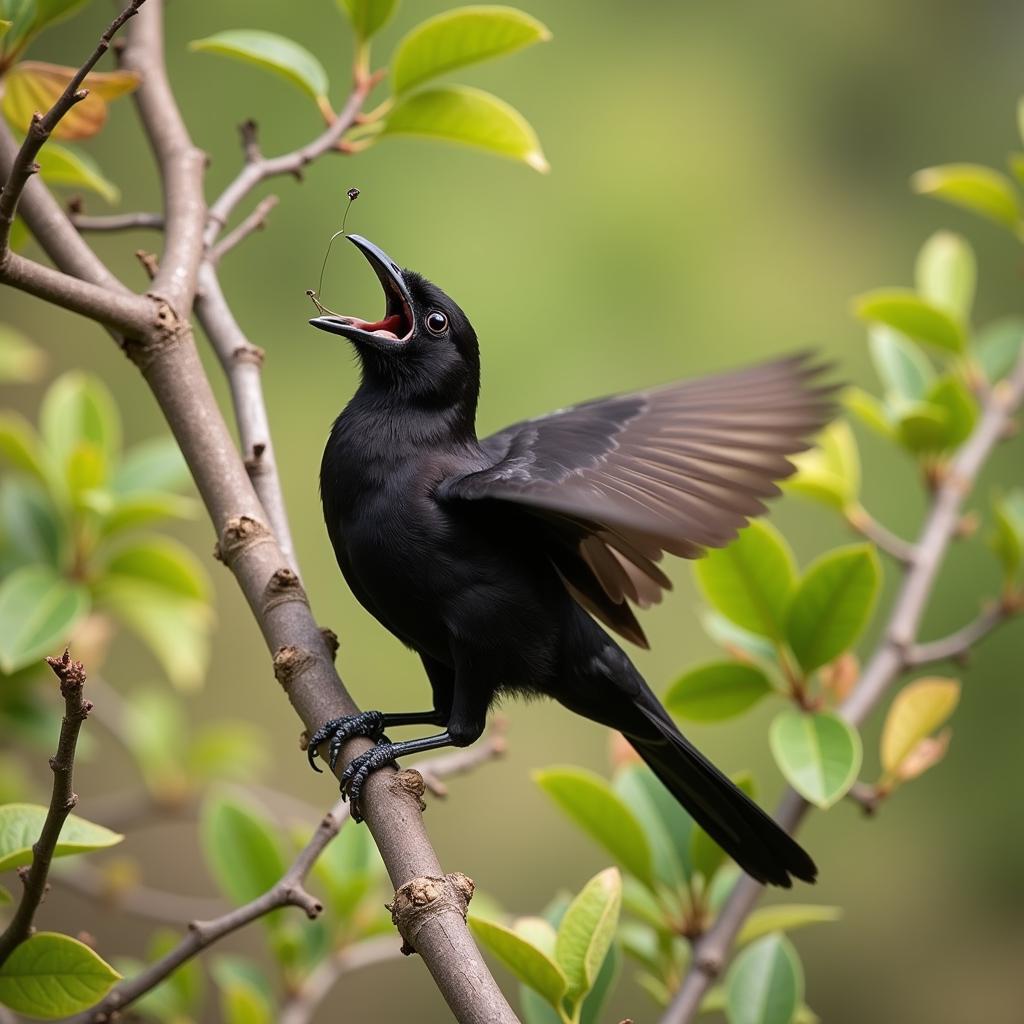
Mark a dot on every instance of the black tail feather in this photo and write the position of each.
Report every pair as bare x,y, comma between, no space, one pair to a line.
724,811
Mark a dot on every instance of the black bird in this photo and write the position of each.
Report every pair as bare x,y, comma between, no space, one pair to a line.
492,558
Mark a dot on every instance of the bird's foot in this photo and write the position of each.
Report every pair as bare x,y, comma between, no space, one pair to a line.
340,730
359,770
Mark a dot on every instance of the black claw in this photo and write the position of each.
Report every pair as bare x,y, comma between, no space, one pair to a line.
338,730
359,770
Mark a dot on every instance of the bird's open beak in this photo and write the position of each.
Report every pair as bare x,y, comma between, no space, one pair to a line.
397,325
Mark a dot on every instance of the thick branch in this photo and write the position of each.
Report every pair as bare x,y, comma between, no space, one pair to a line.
885,666
181,164
62,801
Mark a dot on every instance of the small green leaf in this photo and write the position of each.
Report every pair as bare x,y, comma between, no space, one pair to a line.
240,848
922,427
153,465
457,38
959,409
156,731
164,563
245,995
739,642
785,917
832,604
750,581
272,52
20,360
903,369
595,807
529,964
907,312
1007,537
78,410
917,711
367,16
870,411
586,932
20,445
830,471
468,117
819,754
21,824
51,975
227,750
136,510
718,690
946,273
38,609
997,347
976,188
62,165
765,984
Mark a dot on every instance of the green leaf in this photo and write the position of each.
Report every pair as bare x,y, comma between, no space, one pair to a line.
586,932
349,869
154,465
20,360
48,12
870,411
750,581
917,711
946,273
976,188
832,604
141,509
819,754
959,409
765,984
156,731
1007,537
529,964
163,563
830,471
367,16
175,628
922,428
62,165
468,117
240,848
785,917
20,15
904,370
997,347
245,995
718,690
38,610
78,410
595,807
905,311
664,822
51,976
740,643
707,856
21,824
227,750
271,52
20,445
457,38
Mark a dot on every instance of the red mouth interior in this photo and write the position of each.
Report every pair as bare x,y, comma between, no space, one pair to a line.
389,323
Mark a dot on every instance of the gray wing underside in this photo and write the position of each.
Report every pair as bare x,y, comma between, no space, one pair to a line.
618,481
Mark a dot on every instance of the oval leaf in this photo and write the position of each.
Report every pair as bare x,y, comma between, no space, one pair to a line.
1007,537
154,465
62,165
918,710
586,931
19,445
454,39
976,188
819,754
51,976
367,16
470,117
870,411
946,273
78,408
529,964
904,370
832,604
275,53
20,825
38,609
595,807
997,347
830,471
765,984
164,563
750,581
915,317
721,689
785,917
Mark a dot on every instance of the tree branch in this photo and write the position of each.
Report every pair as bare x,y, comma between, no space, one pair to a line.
118,222
888,662
256,221
883,538
62,801
957,645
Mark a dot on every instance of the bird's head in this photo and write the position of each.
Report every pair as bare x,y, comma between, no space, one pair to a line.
423,346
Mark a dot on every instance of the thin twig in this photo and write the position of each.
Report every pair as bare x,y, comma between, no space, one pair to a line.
118,222
256,221
62,801
866,796
885,666
957,645
881,536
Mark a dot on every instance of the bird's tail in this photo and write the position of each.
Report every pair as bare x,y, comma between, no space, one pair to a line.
721,808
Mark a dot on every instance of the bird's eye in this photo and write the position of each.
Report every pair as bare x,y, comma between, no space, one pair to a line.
437,323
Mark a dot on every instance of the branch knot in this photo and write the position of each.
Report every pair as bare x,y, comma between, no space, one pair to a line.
424,899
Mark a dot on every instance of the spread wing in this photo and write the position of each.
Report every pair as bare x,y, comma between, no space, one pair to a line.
615,482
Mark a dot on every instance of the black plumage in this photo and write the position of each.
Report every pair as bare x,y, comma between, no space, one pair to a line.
486,556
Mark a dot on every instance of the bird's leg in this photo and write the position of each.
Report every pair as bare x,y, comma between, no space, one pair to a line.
363,765
367,723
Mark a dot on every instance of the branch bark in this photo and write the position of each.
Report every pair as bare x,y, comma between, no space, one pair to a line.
891,658
62,801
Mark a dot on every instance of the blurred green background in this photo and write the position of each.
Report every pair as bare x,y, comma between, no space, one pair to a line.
724,177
